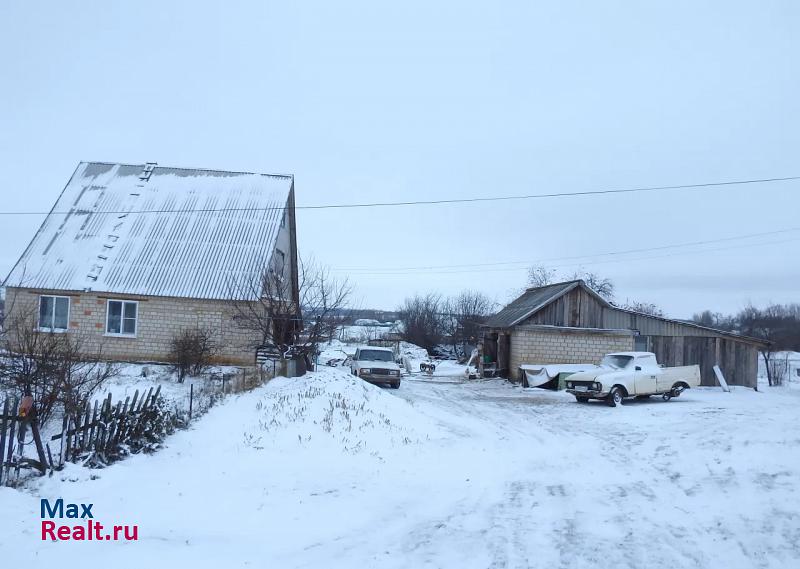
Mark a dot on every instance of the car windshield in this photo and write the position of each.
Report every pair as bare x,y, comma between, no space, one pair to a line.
617,362
375,355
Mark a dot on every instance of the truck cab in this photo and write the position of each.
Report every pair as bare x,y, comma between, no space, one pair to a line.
631,374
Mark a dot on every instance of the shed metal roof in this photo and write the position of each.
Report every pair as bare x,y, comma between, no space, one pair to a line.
177,232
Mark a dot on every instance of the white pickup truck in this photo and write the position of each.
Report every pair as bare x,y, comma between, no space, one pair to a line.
631,374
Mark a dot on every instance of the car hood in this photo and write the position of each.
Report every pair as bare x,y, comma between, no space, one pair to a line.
600,374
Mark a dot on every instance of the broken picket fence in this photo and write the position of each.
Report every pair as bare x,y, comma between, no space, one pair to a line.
94,436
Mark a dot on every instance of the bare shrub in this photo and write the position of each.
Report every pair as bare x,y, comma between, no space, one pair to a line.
57,369
192,351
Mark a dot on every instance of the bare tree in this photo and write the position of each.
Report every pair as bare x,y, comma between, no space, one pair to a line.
777,324
464,314
287,315
324,299
422,320
643,307
540,275
598,283
715,320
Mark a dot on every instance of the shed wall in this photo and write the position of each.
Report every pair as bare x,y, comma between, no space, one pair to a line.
559,346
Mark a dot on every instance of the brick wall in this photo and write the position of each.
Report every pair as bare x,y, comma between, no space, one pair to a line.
563,346
159,319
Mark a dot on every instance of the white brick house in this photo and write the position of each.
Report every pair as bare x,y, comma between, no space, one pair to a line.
132,254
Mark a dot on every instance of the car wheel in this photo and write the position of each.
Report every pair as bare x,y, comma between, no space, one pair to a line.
615,397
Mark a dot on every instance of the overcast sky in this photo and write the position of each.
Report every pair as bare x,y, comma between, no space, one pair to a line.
365,102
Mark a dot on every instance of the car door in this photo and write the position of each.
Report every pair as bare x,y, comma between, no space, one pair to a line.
644,380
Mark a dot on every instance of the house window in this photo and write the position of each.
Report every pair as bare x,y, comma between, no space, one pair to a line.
121,317
283,219
280,261
54,313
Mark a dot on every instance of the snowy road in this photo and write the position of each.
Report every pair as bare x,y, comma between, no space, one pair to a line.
464,475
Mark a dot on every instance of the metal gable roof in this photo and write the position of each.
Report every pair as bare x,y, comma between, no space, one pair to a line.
118,228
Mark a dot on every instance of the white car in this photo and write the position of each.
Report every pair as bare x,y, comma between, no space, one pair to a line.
376,365
631,374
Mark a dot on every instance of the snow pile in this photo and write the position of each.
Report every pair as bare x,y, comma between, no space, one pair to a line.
335,352
333,409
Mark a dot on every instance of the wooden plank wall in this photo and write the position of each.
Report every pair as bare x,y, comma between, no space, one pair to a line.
577,308
738,360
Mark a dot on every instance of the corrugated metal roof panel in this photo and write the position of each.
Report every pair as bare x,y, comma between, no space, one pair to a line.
112,232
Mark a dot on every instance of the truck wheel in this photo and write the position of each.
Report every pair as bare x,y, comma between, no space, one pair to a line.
582,399
615,397
395,385
666,396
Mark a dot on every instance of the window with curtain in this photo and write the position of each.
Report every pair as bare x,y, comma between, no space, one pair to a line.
54,313
122,317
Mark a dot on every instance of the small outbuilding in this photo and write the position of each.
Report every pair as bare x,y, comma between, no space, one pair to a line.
569,323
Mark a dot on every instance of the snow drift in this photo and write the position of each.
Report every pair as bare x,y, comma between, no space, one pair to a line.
332,408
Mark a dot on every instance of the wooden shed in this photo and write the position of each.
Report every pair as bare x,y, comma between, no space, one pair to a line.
568,323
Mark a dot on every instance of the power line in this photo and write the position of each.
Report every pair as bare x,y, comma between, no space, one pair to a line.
707,185
556,195
550,259
626,260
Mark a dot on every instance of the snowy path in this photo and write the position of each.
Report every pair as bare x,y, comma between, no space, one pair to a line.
505,477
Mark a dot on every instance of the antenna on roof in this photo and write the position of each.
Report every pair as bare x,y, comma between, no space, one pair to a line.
148,170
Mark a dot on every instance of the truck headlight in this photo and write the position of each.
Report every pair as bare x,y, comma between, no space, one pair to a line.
394,373
597,386
569,385
364,371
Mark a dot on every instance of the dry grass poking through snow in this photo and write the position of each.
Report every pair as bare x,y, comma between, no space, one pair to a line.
334,409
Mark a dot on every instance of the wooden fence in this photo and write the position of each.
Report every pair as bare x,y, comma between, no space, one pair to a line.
94,435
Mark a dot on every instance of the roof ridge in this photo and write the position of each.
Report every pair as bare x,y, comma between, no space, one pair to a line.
287,176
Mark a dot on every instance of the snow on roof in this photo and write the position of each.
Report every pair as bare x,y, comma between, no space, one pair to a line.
117,229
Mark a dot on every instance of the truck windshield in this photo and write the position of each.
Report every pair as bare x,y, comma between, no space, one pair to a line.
616,362
375,356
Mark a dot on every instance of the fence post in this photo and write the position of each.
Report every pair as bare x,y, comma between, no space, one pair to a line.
191,399
37,439
10,452
3,424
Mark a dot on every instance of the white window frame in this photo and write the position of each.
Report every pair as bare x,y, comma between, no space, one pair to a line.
122,318
53,315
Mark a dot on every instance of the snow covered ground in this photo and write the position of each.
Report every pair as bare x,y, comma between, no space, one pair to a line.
327,471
